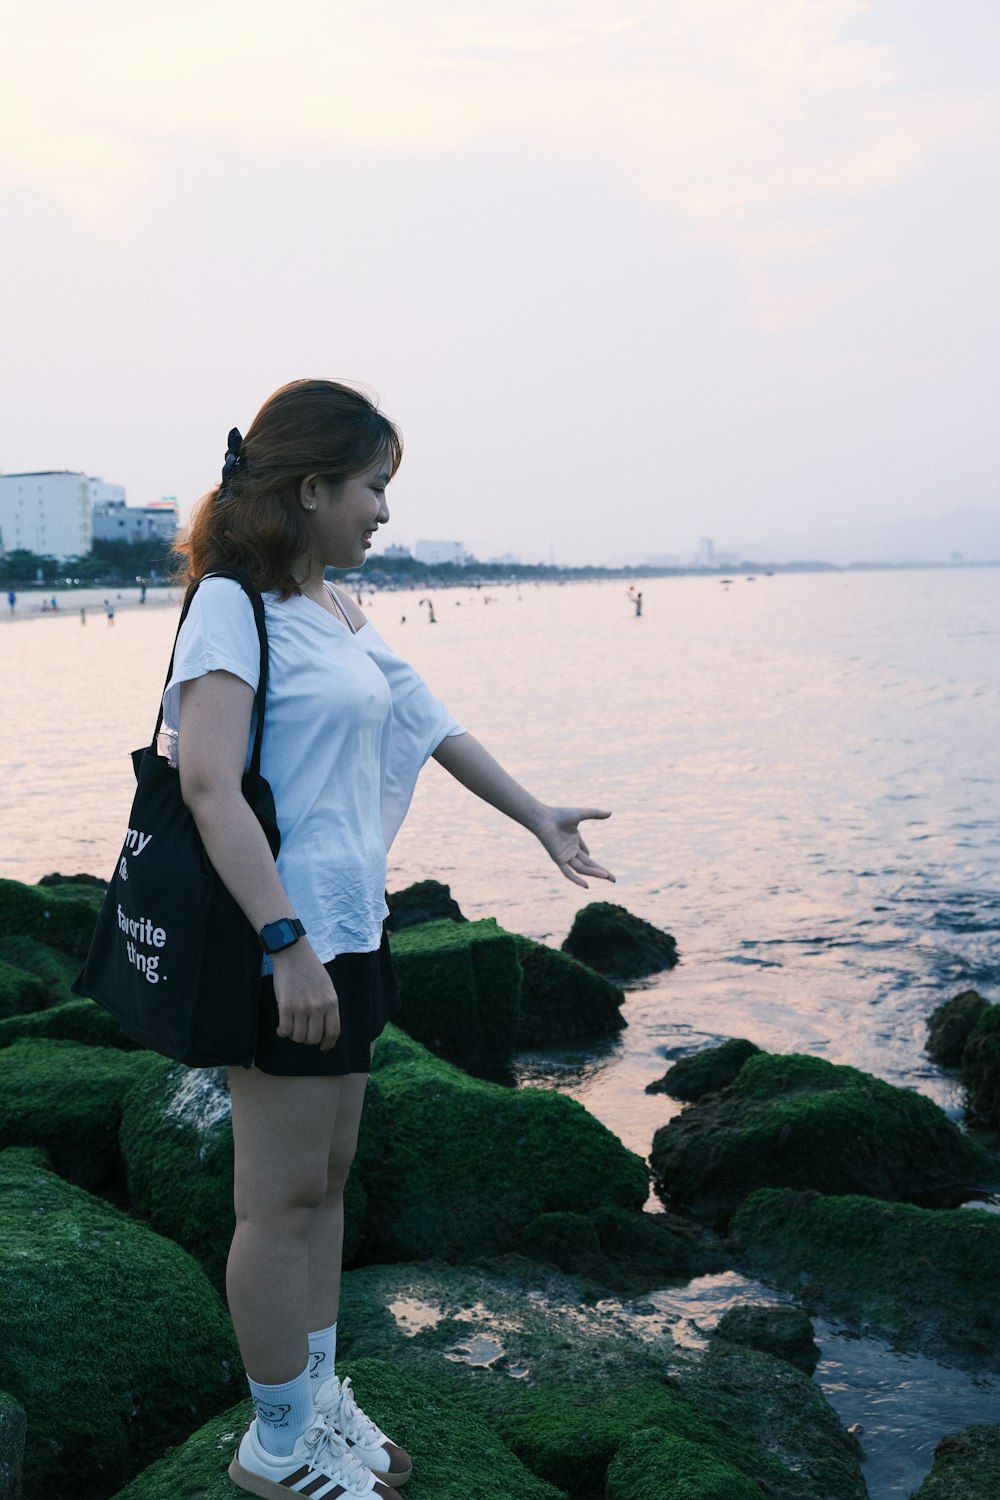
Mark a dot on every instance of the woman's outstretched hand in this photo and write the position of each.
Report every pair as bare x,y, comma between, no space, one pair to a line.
560,836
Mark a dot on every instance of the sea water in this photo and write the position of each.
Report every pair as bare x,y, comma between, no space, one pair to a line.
805,790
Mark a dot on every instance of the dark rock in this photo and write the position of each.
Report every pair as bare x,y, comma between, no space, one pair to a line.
56,971
704,1072
73,1021
460,991
562,1000
799,1122
617,944
20,992
94,881
913,1276
467,1165
628,1252
950,1026
114,1342
966,1467
13,1427
981,1069
784,1332
655,1462
63,917
68,1099
426,901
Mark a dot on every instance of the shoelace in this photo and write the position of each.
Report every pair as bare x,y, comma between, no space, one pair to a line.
331,1453
352,1417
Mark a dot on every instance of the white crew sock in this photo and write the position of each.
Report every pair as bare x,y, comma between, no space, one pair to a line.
284,1412
322,1355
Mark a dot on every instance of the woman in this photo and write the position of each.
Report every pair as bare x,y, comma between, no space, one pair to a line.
348,726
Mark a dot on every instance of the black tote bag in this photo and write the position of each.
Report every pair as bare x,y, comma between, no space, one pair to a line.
172,957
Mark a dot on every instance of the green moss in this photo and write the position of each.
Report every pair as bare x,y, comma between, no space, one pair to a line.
615,943
114,1342
20,992
13,1427
562,999
704,1072
911,1275
68,1099
61,916
467,1164
800,1122
73,1021
460,988
653,1462
981,1068
56,970
950,1026
966,1467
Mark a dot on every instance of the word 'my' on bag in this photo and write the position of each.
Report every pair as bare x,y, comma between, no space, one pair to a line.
173,958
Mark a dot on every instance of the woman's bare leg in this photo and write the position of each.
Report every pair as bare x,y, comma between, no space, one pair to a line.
326,1237
283,1129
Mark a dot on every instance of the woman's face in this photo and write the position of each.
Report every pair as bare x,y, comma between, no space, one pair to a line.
340,518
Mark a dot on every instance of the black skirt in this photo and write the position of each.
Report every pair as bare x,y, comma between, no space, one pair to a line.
366,989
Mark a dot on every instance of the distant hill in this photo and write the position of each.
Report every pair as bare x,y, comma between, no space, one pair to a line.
962,535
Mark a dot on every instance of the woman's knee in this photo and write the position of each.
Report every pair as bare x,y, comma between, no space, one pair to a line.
291,1204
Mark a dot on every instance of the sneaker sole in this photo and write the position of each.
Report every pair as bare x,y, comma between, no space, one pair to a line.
256,1484
386,1476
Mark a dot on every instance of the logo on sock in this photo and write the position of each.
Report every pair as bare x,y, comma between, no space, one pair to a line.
274,1416
316,1358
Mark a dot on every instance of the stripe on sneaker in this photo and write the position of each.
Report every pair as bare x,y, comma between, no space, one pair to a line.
293,1479
317,1485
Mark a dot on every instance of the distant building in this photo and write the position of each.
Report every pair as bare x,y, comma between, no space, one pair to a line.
706,552
439,552
664,560
505,560
51,512
114,521
399,553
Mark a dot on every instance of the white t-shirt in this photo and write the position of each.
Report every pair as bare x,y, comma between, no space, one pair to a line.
347,728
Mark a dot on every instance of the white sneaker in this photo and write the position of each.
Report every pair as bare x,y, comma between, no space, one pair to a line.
321,1465
335,1404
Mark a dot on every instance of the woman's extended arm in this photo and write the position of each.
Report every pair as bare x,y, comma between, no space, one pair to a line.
556,828
215,715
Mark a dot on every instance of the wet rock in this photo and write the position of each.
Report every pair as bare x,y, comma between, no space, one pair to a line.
438,1431
68,1099
61,916
950,1026
13,1427
914,1276
426,901
467,1165
177,1144
966,1467
655,1462
114,1342
460,989
562,1000
981,1069
704,1072
617,944
784,1332
93,881
800,1122
627,1252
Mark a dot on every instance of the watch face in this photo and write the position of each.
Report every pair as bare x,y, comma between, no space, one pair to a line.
278,935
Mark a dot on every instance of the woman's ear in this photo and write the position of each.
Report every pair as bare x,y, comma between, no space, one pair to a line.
309,492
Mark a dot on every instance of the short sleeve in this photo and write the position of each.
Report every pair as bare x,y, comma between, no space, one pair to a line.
219,635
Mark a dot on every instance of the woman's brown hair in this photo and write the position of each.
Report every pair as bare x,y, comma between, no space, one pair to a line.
252,519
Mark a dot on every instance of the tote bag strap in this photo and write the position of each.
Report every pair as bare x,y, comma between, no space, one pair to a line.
257,604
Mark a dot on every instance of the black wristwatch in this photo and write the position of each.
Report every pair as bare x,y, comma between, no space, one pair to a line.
278,935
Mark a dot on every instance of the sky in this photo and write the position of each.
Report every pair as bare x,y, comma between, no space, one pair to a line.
625,274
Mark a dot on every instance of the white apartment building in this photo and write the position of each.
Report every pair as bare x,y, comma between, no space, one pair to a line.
114,521
439,552
51,512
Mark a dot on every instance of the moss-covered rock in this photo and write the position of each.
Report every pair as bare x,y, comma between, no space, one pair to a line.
617,944
966,1467
981,1069
68,1099
912,1275
13,1427
628,1252
460,990
73,1021
425,901
436,1430
20,992
114,1342
950,1026
562,1000
704,1072
800,1122
56,970
784,1332
467,1165
61,916
654,1462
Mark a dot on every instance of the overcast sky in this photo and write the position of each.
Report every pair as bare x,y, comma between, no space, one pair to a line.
626,274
